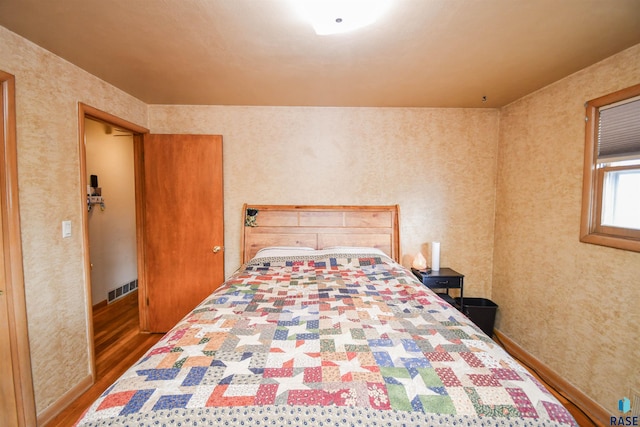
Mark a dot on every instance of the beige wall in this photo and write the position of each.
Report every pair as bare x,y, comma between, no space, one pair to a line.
437,164
573,305
48,90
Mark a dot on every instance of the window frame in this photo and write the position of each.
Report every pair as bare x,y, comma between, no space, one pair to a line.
591,230
600,186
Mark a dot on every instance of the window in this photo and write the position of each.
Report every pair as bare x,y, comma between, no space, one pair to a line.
611,188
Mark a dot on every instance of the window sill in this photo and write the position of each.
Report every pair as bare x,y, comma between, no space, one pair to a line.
617,242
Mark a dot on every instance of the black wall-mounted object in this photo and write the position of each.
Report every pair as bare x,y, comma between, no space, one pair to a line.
94,181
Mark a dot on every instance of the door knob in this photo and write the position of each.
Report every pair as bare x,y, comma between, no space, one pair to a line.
216,249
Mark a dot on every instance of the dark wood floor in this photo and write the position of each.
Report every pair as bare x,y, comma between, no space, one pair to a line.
119,343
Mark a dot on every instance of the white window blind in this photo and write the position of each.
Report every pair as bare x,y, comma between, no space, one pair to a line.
619,132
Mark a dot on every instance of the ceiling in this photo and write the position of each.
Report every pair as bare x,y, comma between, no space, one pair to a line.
423,53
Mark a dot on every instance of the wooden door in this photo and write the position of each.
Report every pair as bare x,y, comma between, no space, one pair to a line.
17,403
8,392
183,225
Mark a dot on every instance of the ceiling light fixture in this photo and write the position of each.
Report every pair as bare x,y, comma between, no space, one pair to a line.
339,16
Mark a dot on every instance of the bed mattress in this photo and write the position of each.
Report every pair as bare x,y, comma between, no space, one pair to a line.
326,338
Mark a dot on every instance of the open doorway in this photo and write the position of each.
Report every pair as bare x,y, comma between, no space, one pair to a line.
111,215
111,207
110,167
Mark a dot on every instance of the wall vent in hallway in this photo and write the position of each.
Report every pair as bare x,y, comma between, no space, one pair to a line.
121,291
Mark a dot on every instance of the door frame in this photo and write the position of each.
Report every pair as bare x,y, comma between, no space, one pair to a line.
12,254
86,111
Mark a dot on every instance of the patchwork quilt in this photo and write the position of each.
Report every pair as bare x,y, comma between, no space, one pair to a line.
326,339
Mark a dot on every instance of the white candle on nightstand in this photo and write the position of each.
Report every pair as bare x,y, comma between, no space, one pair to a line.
435,256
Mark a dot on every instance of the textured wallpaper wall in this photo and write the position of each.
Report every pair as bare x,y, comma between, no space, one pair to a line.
571,304
437,164
48,90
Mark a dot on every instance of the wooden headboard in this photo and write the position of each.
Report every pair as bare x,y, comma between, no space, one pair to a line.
319,227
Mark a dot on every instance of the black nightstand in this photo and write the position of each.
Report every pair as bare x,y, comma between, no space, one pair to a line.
445,278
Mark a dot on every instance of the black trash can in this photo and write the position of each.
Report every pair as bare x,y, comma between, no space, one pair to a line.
482,312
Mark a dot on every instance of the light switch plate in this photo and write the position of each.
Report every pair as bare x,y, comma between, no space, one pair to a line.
66,229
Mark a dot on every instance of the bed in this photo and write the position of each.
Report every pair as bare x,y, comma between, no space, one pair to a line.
307,333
